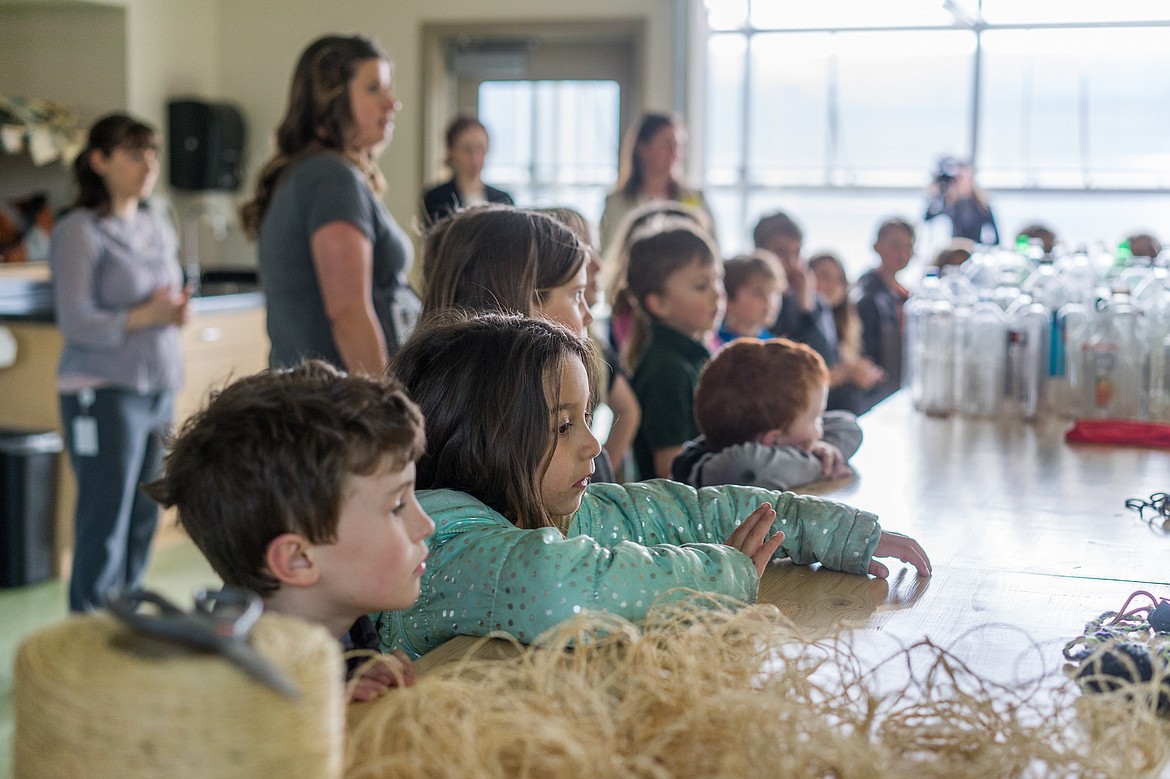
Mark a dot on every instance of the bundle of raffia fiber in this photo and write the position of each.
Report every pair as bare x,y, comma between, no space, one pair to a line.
705,691
94,699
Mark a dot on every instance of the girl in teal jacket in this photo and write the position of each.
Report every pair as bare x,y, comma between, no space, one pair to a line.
523,541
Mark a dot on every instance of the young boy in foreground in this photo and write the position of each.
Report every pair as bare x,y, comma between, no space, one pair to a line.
761,408
299,485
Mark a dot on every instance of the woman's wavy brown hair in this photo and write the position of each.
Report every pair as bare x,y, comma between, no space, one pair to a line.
318,117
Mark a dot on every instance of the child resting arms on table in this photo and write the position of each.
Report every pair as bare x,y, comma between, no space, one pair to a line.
524,541
776,432
299,485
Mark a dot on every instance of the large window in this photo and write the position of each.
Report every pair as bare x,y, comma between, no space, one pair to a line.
837,111
553,142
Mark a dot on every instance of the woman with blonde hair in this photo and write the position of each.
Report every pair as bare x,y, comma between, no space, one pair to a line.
650,169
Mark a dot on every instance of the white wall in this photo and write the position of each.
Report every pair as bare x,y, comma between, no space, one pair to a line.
145,52
259,41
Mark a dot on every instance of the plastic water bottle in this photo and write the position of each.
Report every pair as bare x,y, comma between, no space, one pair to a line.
1157,314
980,357
1070,330
929,320
1077,273
1046,287
1029,324
958,287
1115,361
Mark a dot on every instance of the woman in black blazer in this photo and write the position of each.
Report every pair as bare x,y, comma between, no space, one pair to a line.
467,147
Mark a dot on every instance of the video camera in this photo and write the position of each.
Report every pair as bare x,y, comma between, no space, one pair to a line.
945,171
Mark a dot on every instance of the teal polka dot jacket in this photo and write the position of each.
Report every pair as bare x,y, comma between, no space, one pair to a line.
625,547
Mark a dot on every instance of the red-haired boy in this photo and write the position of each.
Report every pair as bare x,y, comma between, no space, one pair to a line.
778,436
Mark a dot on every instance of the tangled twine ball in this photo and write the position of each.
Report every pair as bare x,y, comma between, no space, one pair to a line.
92,698
714,692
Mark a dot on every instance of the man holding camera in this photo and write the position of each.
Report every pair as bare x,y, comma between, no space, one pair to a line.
953,193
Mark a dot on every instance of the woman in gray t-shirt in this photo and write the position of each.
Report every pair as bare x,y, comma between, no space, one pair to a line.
332,259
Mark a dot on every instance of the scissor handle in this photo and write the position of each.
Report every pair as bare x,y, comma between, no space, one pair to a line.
169,622
231,611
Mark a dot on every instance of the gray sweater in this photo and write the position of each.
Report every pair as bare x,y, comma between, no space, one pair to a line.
102,267
757,465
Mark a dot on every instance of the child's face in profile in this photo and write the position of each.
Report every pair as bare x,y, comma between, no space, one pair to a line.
574,446
566,305
787,250
831,282
755,306
808,427
691,299
896,248
379,555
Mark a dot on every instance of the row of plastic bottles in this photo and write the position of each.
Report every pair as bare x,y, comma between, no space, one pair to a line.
1024,334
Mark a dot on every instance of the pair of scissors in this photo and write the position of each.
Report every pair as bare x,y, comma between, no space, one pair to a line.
219,622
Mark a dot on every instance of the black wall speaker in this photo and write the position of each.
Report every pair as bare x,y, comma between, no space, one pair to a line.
206,145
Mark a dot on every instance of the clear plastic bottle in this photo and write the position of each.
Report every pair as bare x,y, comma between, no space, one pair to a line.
929,347
1115,361
958,287
980,359
1077,273
980,268
1046,287
1157,314
1029,325
1070,330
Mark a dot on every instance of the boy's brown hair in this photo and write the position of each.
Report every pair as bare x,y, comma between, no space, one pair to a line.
775,224
751,386
746,268
894,223
272,453
658,250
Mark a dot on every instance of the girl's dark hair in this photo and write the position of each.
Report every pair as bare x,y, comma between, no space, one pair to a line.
497,257
115,131
459,125
658,250
631,177
318,116
483,382
845,315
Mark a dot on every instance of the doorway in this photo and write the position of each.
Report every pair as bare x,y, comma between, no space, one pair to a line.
554,97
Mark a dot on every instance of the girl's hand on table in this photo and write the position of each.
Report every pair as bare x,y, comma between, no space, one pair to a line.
378,678
751,537
901,547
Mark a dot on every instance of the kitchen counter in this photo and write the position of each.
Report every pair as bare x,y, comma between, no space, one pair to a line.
29,298
225,339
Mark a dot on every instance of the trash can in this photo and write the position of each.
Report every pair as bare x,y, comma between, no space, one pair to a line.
28,505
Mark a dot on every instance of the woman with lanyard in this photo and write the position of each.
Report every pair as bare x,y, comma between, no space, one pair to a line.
120,302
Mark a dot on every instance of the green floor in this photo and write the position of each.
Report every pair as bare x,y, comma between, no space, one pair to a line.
175,571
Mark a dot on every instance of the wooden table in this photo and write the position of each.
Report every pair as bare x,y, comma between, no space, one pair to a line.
1028,535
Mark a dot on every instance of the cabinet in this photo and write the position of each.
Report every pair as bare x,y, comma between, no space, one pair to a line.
219,343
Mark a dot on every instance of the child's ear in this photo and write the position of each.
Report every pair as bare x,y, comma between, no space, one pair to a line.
656,306
773,437
290,559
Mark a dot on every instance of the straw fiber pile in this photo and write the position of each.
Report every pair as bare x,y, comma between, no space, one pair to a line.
711,692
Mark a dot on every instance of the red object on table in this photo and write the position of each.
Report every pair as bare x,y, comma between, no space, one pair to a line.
1123,432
